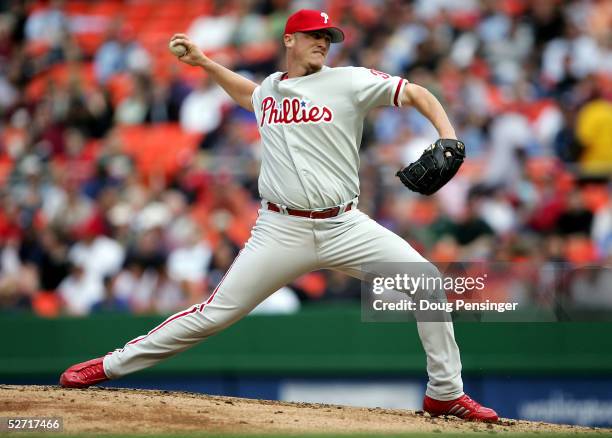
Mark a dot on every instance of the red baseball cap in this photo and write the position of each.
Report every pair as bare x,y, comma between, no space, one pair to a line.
306,20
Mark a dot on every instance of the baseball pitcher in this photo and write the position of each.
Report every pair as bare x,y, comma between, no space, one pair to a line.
310,118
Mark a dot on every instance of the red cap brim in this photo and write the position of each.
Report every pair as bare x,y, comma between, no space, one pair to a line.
337,36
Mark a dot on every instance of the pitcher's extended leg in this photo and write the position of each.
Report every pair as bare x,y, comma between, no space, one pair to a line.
279,250
363,241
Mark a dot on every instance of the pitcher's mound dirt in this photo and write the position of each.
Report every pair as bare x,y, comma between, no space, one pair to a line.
125,411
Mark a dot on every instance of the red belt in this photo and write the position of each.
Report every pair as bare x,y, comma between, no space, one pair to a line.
312,214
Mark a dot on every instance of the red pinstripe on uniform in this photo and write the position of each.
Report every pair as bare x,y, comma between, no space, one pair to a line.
188,312
397,91
220,283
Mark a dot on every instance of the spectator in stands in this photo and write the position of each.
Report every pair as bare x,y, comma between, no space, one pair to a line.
214,31
471,229
132,286
283,301
575,54
601,230
47,24
15,281
8,92
510,134
120,53
221,260
508,42
168,295
202,110
341,287
79,291
565,144
594,131
110,303
158,108
251,27
189,261
95,256
53,266
576,219
133,109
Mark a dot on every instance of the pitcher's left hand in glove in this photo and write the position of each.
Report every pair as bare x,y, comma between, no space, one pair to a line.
438,164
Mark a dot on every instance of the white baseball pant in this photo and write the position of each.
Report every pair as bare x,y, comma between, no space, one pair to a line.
280,249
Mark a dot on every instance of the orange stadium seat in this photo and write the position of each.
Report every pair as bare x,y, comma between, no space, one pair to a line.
596,196
46,304
197,9
120,86
171,10
254,52
107,8
76,7
580,250
472,168
10,135
313,284
538,167
158,149
61,75
5,169
90,42
36,48
424,211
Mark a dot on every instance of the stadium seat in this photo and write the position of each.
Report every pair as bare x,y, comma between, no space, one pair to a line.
158,149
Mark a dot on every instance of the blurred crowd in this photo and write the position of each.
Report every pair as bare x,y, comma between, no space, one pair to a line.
129,180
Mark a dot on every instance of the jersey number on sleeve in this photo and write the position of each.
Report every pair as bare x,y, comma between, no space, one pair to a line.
380,74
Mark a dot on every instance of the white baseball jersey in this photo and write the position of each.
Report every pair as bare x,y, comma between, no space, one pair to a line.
311,129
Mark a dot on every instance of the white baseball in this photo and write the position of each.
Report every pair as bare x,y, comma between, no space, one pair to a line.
178,49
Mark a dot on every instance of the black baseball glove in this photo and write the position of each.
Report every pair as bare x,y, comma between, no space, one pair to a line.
438,164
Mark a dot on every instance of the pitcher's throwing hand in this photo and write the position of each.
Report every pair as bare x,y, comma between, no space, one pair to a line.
193,54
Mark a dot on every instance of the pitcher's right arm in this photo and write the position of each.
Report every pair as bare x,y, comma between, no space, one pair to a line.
238,87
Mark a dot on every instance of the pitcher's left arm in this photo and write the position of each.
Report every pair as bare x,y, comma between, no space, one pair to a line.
427,104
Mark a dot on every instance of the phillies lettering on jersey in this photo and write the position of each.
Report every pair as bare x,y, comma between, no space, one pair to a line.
311,129
293,110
